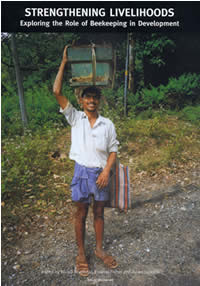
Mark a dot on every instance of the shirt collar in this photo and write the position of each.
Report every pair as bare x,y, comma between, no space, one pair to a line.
99,118
83,115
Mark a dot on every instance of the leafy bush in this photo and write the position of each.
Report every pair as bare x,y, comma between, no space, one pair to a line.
25,161
177,94
114,98
183,91
41,106
190,113
10,116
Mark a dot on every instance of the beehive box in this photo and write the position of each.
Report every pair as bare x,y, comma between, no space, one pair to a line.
92,65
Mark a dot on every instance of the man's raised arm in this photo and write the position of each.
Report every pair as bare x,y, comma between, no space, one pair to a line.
57,87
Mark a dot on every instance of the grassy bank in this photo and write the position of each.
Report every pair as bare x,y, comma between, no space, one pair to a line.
36,170
160,142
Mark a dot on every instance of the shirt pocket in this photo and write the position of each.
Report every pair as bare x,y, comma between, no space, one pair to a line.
101,140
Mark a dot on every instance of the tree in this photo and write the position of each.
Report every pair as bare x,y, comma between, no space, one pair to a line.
19,81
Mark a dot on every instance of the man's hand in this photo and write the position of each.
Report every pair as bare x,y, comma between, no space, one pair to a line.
103,179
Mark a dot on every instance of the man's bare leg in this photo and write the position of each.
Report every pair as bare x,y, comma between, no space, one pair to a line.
80,219
98,210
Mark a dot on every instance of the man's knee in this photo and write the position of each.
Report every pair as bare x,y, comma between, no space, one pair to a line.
98,211
81,211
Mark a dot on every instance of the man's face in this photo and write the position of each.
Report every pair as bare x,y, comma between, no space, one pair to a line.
90,102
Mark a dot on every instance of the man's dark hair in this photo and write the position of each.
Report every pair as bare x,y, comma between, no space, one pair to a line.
91,89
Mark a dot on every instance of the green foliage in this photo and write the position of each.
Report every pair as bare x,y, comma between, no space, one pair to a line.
114,98
175,95
39,66
190,113
150,98
39,57
157,135
154,128
41,106
150,50
155,47
69,93
10,116
160,141
40,53
183,91
25,161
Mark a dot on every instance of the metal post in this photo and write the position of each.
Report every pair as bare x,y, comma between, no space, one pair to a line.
126,76
131,63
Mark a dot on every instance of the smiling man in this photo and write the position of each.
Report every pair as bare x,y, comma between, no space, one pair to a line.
93,148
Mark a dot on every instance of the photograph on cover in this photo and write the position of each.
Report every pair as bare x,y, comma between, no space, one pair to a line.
100,150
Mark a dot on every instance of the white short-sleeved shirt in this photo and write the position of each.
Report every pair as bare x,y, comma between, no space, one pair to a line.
90,146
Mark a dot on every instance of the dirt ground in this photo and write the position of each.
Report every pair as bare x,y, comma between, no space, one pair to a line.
157,242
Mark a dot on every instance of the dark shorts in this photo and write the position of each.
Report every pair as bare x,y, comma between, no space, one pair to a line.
84,185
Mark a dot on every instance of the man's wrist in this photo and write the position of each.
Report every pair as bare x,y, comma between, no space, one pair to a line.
107,169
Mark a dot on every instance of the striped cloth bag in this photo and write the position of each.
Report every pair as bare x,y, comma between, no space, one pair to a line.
119,188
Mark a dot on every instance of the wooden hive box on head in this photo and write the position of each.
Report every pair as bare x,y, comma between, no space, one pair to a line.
92,65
